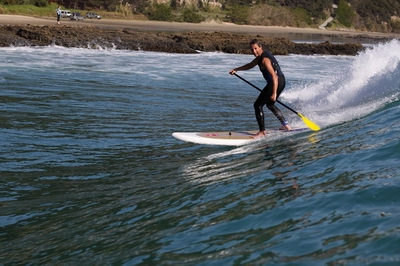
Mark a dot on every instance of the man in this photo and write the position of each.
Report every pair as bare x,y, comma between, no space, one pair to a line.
272,73
58,10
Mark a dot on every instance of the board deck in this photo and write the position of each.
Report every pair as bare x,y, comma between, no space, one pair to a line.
228,138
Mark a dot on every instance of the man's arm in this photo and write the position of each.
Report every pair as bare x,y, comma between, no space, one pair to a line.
245,67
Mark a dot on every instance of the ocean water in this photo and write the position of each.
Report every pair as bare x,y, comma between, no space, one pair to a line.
90,174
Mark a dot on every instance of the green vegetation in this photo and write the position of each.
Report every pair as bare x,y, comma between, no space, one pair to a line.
162,12
301,17
345,13
239,14
29,9
377,15
372,15
192,16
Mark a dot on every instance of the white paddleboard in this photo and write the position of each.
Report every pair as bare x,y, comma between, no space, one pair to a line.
228,138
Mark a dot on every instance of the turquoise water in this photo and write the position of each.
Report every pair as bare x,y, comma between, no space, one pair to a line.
90,174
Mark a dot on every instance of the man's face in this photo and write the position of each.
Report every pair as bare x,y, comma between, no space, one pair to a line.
256,49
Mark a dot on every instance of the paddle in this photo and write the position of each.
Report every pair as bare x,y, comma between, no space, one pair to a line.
306,121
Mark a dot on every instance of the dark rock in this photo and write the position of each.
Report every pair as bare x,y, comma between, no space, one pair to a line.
186,42
327,48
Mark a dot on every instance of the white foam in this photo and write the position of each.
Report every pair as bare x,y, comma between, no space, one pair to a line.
349,87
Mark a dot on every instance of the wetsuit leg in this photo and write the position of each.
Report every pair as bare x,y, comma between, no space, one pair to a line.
258,108
265,99
271,105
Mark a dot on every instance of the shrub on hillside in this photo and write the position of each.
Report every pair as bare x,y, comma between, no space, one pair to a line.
239,14
40,3
395,26
314,8
268,15
344,13
161,12
302,17
191,16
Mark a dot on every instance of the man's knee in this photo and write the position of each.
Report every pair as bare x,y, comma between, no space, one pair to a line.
271,105
257,105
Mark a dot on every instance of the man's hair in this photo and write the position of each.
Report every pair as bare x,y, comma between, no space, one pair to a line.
255,41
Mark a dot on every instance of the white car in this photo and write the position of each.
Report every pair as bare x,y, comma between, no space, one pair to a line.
65,13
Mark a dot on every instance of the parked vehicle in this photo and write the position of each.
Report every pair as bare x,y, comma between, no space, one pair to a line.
76,16
65,13
93,15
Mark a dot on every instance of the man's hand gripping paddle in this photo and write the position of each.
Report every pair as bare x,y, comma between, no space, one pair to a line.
306,121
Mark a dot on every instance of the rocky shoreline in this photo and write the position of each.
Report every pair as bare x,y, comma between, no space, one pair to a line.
185,42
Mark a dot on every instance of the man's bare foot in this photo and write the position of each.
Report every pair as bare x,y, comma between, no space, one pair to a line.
285,127
259,134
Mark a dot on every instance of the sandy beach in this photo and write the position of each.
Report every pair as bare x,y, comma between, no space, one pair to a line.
159,26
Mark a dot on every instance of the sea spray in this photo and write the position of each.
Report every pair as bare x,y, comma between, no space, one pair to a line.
365,83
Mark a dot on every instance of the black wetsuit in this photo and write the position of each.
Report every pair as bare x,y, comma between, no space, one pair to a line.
265,95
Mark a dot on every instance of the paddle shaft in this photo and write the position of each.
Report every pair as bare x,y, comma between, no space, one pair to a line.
254,86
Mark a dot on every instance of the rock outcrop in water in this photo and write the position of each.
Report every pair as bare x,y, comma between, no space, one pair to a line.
185,42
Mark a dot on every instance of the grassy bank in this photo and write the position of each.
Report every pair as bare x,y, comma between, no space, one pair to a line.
50,11
30,10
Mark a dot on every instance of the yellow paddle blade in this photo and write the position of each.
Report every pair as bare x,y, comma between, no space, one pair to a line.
309,123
